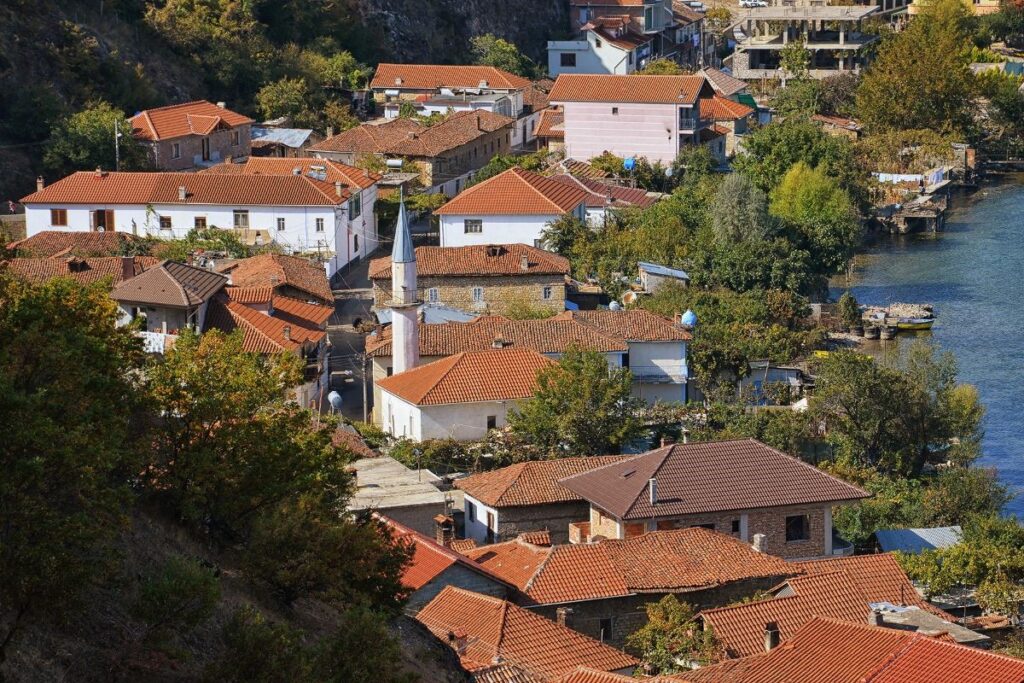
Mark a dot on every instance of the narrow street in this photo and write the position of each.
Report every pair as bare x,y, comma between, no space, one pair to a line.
352,301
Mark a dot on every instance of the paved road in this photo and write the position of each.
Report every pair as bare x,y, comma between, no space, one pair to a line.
352,301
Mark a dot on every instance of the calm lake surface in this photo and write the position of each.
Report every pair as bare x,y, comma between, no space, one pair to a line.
973,272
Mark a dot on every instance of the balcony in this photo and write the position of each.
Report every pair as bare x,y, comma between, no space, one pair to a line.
579,532
668,373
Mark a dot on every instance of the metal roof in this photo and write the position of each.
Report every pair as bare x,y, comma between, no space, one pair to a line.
918,540
289,137
665,271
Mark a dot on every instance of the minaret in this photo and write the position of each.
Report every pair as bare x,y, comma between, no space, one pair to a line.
405,303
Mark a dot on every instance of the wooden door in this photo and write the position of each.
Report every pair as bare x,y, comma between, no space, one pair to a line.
206,149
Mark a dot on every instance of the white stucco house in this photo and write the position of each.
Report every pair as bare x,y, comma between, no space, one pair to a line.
304,205
512,207
460,397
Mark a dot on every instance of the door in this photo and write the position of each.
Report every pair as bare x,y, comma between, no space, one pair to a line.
102,221
206,149
491,535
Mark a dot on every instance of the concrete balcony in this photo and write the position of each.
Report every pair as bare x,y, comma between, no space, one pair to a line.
674,373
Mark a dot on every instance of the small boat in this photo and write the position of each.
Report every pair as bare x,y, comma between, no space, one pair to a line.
915,324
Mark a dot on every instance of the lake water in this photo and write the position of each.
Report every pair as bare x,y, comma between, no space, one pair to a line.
973,272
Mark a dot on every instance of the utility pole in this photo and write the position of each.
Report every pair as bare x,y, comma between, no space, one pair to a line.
117,145
364,360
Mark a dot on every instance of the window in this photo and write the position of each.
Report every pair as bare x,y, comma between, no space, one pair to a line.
666,525
236,138
433,295
355,242
165,223
567,59
648,18
241,218
625,359
389,371
176,150
597,42
355,206
703,526
798,528
478,295
629,58
735,527
492,421
319,224
606,629
200,222
59,217
473,226
470,511
546,293
615,111
280,224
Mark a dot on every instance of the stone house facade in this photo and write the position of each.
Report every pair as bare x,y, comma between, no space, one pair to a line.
193,134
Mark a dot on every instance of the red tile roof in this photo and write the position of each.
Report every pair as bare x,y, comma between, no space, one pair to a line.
285,330
84,270
545,335
635,89
349,439
333,171
634,325
708,477
250,295
605,195
49,243
535,95
581,169
189,118
550,124
413,139
530,483
682,560
170,283
435,76
470,377
90,187
722,82
279,270
493,630
478,260
723,109
518,192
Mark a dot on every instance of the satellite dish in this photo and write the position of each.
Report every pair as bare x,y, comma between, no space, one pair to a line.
335,398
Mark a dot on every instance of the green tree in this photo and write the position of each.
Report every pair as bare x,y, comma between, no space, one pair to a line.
838,94
174,601
671,638
581,407
69,403
259,651
489,50
740,212
794,60
364,631
288,97
662,67
84,141
563,233
799,98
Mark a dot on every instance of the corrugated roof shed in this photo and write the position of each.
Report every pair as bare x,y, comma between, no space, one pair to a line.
918,540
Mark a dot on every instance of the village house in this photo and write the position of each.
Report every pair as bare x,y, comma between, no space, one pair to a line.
482,278
290,276
280,141
168,298
742,488
407,496
501,504
725,85
535,105
460,397
82,269
50,243
192,134
550,130
513,206
302,213
839,126
445,154
634,116
499,641
600,589
604,199
729,117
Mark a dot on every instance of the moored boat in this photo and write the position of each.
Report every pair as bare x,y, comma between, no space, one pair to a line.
915,323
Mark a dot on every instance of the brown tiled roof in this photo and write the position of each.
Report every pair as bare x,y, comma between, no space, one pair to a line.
723,109
279,270
684,15
635,325
515,191
530,483
189,118
550,124
478,260
638,89
535,95
90,187
170,284
620,33
250,295
63,242
600,193
498,631
333,171
462,545
83,270
581,169
545,335
708,477
406,137
434,76
837,121
722,82
682,560
470,377
350,439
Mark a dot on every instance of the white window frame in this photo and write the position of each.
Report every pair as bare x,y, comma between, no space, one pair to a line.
240,218
473,226
478,295
433,295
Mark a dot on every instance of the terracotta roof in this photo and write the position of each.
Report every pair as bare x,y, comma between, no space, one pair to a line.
461,545
550,124
684,15
189,118
600,193
682,560
712,132
619,32
90,187
545,335
406,137
831,651
585,674
292,323
333,171
63,242
637,89
837,121
469,377
435,76
535,95
170,284
518,192
708,477
722,82
84,270
723,109
349,439
530,483
494,630
478,260
279,270
250,295
635,325
582,169
541,538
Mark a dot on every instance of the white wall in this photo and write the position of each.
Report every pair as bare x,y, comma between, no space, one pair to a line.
460,421
590,59
640,130
475,516
661,361
505,229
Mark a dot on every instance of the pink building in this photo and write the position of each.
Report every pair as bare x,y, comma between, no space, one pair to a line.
632,116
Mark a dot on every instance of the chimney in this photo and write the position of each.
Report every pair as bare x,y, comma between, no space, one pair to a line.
686,435
667,441
875,618
330,131
222,105
760,543
411,135
337,187
524,263
771,636
127,267
99,172
182,193
444,530
227,159
457,641
40,184
499,342
287,332
563,615
652,489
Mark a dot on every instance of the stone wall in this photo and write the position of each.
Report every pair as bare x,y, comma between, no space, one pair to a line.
498,292
190,146
554,518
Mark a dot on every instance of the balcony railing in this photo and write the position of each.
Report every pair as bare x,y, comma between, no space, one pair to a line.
659,374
